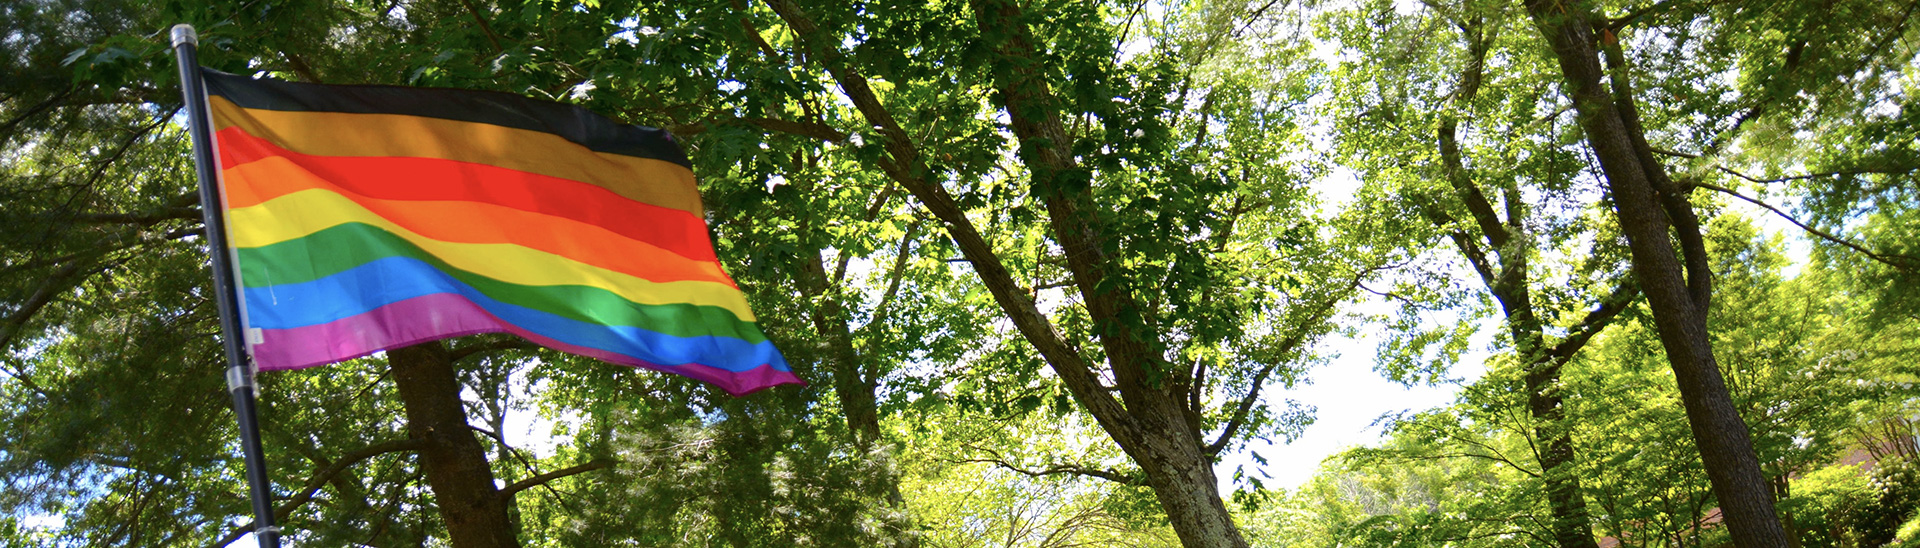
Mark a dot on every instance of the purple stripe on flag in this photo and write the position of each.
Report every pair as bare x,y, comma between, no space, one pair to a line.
442,315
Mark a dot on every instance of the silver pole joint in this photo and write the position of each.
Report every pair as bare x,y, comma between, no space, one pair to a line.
183,34
237,378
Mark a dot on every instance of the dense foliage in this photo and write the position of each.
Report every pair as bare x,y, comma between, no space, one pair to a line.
1045,266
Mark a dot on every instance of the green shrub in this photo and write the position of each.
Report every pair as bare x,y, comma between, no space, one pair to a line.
1895,495
1823,503
1908,535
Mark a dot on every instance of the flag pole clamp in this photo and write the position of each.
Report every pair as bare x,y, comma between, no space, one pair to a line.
237,378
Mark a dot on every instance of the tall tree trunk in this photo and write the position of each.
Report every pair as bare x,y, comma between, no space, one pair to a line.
829,316
1180,471
854,380
851,384
1679,302
456,465
1572,526
1507,275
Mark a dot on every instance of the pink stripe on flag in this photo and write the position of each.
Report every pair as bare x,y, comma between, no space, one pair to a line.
442,315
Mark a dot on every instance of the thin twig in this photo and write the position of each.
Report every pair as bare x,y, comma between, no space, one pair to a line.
484,27
320,479
1886,259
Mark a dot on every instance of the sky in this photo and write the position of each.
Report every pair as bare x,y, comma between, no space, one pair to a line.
1348,396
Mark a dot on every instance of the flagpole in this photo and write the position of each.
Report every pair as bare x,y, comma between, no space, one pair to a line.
239,369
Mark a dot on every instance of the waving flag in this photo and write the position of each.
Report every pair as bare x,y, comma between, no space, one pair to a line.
372,217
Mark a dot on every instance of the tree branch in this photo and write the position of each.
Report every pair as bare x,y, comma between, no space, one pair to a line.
1597,320
883,309
147,218
753,32
1673,198
1448,133
542,479
1321,313
1476,257
301,68
1052,470
873,212
35,110
1470,194
1135,351
50,286
319,479
1385,454
813,130
515,343
1615,25
100,166
1882,258
484,27
1904,170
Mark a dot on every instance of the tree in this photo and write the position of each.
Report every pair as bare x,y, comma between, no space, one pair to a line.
1650,203
1798,369
1129,219
1491,178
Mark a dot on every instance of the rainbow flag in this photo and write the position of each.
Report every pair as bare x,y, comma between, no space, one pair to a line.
373,217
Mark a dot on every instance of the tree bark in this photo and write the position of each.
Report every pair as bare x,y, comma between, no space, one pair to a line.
854,379
1181,475
1166,440
828,313
1679,305
850,382
1572,527
456,466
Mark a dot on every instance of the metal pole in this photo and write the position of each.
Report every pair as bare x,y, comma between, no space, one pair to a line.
239,368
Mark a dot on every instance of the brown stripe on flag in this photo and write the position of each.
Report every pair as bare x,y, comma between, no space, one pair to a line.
645,180
570,122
